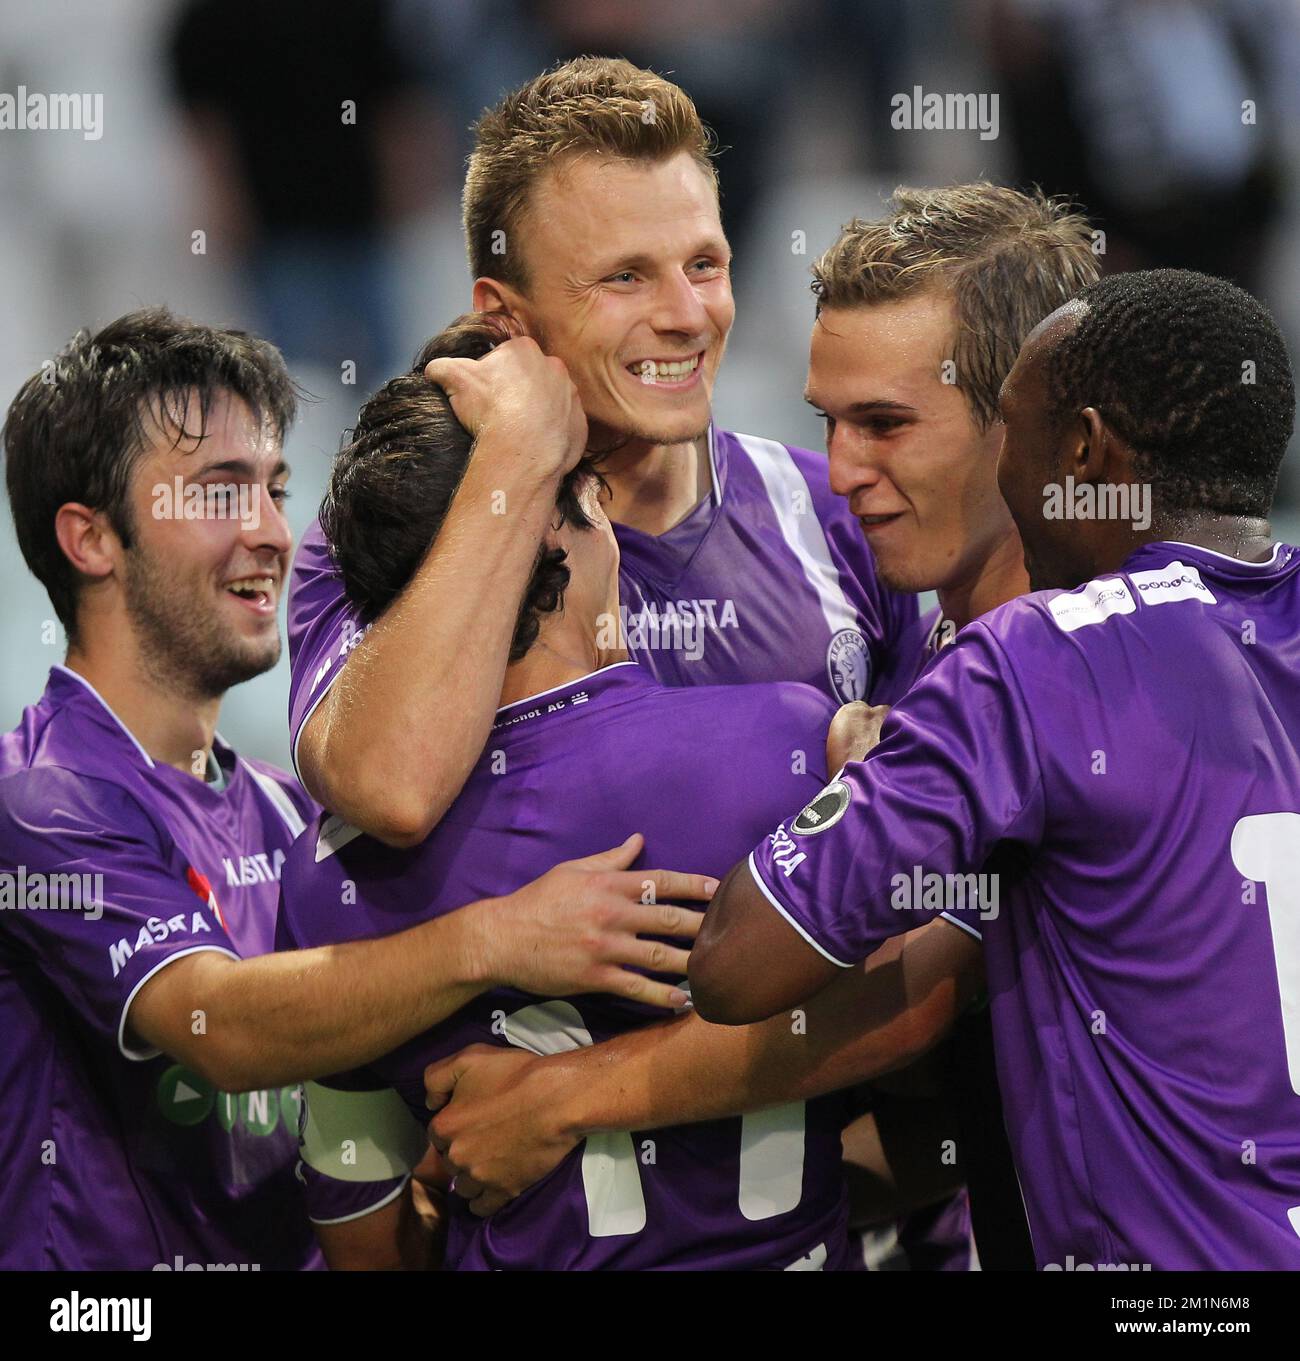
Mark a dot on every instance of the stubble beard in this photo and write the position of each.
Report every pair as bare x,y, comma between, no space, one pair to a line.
182,642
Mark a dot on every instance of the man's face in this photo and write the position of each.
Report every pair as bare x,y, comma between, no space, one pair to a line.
1034,456
204,572
904,448
628,283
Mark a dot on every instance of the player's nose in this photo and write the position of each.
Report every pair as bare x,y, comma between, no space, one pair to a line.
266,527
851,465
679,307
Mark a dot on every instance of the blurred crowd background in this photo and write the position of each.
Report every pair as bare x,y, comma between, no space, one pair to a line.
341,241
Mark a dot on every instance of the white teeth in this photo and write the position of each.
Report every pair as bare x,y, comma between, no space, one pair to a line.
252,586
651,370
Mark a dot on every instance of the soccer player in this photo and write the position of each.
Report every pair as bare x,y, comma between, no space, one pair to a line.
944,287
1122,746
584,741
591,215
150,1064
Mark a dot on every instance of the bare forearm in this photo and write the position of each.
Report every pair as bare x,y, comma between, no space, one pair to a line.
867,1022
379,749
303,1014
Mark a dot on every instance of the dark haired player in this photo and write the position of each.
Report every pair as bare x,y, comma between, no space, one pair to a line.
1125,744
584,741
145,476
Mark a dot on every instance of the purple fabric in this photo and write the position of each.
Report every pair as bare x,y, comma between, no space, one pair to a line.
119,1158
1124,757
698,771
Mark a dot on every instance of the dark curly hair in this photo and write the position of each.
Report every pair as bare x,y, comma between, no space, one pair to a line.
393,482
1193,373
76,429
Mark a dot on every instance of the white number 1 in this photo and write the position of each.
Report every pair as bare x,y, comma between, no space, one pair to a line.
1266,848
771,1141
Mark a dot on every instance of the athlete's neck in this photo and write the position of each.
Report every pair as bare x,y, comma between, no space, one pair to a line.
655,486
1000,577
175,729
567,648
1247,537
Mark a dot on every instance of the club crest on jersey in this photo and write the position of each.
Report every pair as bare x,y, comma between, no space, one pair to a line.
848,665
824,811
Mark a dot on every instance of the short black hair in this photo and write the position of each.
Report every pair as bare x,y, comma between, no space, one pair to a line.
394,479
76,428
1193,373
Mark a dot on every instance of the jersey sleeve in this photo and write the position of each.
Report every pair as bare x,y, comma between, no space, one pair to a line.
104,897
903,836
323,627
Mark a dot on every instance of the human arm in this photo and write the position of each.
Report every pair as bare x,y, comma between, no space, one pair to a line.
303,1013
366,750
891,841
513,1116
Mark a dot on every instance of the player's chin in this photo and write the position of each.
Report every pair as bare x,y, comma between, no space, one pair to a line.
680,425
253,657
901,571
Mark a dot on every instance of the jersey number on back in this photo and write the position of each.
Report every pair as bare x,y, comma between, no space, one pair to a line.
771,1141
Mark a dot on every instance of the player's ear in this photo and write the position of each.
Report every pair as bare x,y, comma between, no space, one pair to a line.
492,295
1083,446
87,539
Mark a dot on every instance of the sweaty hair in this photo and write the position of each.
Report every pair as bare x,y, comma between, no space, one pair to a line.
77,428
1008,259
598,105
393,482
1193,373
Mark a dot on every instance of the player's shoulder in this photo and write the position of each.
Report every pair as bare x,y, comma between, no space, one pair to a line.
774,459
45,799
1047,632
279,785
313,552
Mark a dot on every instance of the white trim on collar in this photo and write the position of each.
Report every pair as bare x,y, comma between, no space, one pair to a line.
1214,552
58,666
713,469
577,680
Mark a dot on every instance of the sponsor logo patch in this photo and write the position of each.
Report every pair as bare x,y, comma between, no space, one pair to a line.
1097,601
824,811
1174,581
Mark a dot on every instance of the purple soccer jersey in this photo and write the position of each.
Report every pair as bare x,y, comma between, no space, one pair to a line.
699,771
1106,783
768,579
118,1157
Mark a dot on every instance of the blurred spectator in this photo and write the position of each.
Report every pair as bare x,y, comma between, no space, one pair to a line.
311,137
1137,108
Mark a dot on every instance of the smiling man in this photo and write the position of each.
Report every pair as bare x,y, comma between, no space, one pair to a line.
1120,749
591,216
140,855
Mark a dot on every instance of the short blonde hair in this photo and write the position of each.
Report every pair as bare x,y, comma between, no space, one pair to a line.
1008,259
598,104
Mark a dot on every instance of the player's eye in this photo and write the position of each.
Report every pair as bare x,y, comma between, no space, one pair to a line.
280,495
624,276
